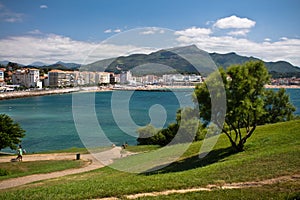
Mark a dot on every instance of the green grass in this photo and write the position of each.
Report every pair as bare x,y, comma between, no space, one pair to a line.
288,191
77,150
18,169
70,150
271,152
142,148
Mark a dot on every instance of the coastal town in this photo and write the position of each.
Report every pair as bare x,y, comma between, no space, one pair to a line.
31,78
62,81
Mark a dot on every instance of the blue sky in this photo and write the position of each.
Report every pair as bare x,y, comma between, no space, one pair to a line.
50,30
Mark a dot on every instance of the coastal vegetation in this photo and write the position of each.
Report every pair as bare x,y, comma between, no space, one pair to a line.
270,153
190,128
10,132
248,104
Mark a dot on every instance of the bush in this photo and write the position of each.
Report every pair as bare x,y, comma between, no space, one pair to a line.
3,172
187,128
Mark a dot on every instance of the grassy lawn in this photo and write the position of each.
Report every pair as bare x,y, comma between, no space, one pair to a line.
288,191
271,152
142,148
17,169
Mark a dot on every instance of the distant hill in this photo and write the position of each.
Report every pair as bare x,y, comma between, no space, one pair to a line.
68,65
228,59
159,62
38,64
4,62
58,65
170,58
170,61
100,65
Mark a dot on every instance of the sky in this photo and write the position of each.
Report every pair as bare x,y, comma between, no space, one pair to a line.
63,30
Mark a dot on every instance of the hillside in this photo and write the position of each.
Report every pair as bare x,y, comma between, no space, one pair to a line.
272,152
170,58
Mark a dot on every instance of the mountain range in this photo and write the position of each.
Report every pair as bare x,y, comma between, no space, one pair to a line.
171,60
171,57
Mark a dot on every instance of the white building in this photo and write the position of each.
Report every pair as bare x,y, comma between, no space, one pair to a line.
179,79
26,77
104,77
125,77
1,76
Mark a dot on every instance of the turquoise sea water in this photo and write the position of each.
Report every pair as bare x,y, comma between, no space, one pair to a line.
49,123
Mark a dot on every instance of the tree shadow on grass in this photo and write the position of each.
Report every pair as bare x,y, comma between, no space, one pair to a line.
193,162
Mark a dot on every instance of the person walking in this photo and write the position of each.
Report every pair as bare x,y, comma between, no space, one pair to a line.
20,153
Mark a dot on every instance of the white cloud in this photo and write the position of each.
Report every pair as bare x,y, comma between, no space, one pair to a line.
267,40
152,30
194,32
234,22
209,22
43,6
108,31
7,15
52,48
117,30
284,49
283,38
239,32
35,32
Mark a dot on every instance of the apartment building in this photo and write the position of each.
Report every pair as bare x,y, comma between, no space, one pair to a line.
59,78
26,77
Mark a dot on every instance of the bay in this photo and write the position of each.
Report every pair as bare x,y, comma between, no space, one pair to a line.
49,122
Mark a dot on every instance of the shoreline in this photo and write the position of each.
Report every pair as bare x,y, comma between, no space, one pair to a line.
283,86
24,94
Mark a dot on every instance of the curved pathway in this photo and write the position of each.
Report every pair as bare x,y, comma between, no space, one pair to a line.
107,157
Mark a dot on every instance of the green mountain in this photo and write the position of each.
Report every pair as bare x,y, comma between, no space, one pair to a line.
277,69
175,61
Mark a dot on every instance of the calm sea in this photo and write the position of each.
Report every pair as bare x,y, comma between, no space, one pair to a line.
49,123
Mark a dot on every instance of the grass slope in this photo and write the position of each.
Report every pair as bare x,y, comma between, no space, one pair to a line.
271,152
18,169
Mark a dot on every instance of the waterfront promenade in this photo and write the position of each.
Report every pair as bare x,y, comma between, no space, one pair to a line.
31,93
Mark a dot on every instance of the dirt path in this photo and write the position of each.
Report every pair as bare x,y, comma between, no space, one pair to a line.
219,185
107,157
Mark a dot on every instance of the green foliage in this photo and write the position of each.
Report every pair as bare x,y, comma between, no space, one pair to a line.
186,129
3,172
248,102
10,132
146,134
278,107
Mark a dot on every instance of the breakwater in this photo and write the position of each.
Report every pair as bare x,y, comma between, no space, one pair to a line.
31,93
